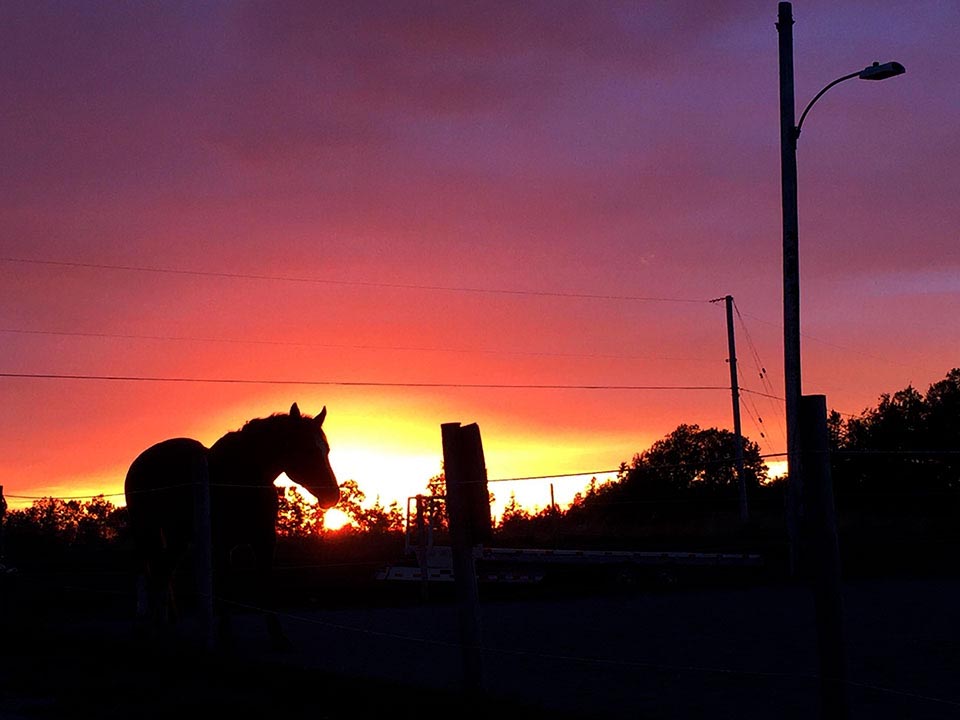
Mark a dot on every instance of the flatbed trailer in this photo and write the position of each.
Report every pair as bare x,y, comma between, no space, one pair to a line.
434,563
532,565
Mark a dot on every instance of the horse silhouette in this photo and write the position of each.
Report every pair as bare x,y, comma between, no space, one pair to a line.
164,485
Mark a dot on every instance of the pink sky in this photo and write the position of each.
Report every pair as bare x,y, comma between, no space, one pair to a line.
384,149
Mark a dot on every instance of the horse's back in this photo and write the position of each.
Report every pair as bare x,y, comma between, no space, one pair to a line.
159,490
166,465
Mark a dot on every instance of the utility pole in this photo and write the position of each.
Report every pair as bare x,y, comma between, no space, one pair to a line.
735,395
791,277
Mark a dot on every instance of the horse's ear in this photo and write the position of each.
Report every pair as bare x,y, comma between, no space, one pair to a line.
294,411
323,413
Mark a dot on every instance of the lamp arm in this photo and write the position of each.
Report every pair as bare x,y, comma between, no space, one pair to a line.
796,130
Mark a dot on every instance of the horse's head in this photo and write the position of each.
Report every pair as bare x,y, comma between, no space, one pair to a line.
308,462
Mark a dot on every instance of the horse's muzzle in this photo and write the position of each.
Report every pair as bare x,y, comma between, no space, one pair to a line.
328,498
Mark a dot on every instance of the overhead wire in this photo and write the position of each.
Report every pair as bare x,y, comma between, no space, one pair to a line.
761,371
343,346
837,346
756,419
353,383
338,281
260,381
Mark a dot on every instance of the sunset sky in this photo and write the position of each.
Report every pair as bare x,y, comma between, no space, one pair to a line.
384,196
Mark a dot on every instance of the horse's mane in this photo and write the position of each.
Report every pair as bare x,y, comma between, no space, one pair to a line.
257,428
267,423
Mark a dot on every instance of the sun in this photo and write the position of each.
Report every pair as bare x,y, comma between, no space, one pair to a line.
334,519
777,469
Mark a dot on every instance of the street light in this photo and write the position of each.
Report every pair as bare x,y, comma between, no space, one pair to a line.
871,72
789,132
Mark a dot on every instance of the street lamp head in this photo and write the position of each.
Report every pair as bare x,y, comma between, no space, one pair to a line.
881,72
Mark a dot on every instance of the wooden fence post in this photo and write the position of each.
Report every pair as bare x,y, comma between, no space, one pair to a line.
3,565
3,515
822,554
476,495
461,453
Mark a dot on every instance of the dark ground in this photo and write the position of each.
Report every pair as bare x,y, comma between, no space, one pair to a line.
688,651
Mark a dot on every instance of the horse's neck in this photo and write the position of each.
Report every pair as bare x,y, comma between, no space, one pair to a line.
247,458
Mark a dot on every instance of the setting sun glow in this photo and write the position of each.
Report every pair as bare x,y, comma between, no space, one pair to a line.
334,519
516,222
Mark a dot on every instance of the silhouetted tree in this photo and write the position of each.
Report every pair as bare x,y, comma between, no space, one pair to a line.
68,521
513,513
943,412
592,490
296,517
437,511
677,484
101,520
691,460
53,529
893,447
897,423
375,519
351,502
382,520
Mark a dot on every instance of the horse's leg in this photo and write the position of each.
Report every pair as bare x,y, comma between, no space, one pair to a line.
263,578
151,583
143,597
146,622
160,591
223,592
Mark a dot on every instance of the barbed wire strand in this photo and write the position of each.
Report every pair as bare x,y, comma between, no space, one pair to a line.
532,478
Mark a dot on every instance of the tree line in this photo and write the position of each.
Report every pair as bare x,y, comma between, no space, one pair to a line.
896,478
909,442
99,520
907,445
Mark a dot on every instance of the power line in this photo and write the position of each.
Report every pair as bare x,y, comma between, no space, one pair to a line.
342,346
755,416
357,283
762,394
554,476
837,346
761,371
777,397
350,383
